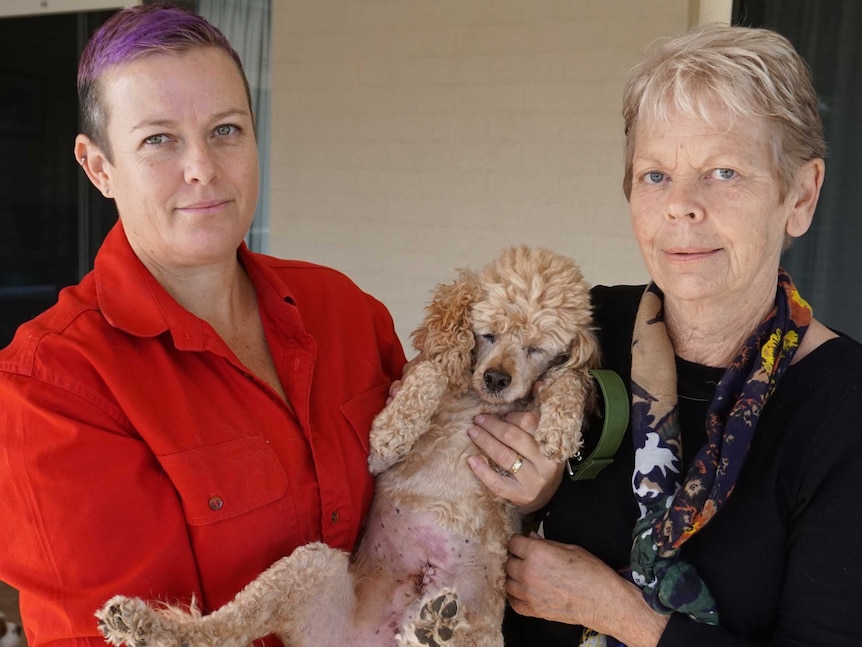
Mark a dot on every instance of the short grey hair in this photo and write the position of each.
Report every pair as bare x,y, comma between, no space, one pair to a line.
724,73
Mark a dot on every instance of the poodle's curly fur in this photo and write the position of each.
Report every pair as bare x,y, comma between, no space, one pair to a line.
429,570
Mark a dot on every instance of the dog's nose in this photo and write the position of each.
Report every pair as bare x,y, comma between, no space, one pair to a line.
496,381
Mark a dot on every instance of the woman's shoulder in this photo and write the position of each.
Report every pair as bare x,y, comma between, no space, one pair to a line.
298,271
825,385
839,357
308,283
814,426
328,301
820,398
58,333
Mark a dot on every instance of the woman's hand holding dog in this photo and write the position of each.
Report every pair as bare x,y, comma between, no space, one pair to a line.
528,479
509,442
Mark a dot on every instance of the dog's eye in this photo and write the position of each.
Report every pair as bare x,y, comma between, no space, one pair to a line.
489,338
532,350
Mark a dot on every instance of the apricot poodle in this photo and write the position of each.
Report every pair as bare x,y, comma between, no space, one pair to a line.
429,569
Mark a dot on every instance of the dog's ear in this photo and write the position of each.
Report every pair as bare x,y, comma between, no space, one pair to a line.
446,335
585,351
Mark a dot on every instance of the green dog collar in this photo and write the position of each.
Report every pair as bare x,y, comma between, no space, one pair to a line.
614,414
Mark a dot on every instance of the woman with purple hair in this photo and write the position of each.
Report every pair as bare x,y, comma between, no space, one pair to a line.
190,412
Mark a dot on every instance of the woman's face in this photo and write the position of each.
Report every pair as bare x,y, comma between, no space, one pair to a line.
706,209
184,168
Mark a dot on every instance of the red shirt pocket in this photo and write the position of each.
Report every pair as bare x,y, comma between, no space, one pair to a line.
222,481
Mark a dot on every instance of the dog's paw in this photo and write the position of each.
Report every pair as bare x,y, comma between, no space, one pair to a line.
438,619
127,621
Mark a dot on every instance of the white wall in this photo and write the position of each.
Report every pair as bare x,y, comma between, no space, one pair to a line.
412,137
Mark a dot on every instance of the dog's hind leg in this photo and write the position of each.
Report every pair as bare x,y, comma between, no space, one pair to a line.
132,622
282,600
438,620
442,622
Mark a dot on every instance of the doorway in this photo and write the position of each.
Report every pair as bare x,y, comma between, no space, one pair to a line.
51,219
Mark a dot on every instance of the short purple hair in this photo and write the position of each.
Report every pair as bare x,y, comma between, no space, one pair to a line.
130,34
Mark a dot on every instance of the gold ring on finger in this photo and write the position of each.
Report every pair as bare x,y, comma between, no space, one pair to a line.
516,465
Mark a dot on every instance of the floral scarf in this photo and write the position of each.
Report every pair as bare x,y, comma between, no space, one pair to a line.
672,509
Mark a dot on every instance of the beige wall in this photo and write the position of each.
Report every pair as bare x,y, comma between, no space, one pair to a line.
412,137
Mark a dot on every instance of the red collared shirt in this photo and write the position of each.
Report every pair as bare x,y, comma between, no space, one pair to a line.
139,456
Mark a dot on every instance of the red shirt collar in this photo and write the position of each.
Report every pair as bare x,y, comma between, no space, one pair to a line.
132,300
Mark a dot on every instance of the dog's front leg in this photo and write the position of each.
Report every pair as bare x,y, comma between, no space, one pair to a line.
564,398
397,428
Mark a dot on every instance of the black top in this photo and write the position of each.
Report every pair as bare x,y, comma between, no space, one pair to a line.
783,557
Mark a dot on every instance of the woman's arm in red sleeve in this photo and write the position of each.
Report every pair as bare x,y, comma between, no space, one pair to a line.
88,513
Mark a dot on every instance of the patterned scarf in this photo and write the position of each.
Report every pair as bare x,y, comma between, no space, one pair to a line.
673,509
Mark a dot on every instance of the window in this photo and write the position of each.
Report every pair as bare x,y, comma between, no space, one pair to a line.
825,263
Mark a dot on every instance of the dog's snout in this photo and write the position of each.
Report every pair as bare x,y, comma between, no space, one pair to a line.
496,381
